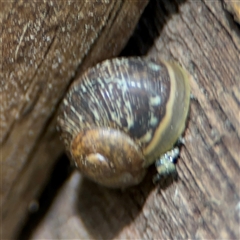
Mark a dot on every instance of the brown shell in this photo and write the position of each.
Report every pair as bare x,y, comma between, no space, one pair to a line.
133,100
109,157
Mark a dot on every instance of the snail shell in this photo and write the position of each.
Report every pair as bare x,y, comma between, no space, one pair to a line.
123,114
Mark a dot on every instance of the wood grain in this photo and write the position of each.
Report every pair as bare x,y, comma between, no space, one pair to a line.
44,45
204,203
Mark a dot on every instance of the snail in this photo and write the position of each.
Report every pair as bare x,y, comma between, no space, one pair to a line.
120,116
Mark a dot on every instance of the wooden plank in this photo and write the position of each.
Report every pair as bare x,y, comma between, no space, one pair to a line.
204,203
44,45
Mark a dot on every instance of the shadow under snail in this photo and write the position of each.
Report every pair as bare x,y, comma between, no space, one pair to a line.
122,115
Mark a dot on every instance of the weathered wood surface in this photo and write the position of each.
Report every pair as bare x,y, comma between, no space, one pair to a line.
234,8
43,46
205,202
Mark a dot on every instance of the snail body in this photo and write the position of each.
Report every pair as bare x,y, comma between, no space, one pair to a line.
122,115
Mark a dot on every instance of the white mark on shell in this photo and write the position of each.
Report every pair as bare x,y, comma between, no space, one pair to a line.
155,101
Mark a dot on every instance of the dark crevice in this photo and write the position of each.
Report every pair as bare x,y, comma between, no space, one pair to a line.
60,173
151,23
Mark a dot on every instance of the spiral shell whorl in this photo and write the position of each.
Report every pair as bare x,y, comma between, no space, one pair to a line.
133,108
113,98
109,157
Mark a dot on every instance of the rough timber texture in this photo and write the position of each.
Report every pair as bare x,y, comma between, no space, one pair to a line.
205,202
234,8
43,45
